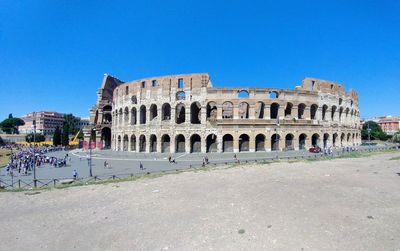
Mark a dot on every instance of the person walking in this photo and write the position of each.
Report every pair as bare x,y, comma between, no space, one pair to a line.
141,166
75,174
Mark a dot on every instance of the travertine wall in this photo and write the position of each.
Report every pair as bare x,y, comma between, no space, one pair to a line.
184,113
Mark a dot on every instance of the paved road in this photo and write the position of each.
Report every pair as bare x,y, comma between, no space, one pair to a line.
124,163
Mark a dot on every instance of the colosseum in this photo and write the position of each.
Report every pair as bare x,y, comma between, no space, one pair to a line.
186,114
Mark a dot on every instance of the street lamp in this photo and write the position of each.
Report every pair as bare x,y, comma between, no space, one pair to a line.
90,151
34,155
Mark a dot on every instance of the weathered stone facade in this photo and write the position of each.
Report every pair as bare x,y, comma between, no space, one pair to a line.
184,113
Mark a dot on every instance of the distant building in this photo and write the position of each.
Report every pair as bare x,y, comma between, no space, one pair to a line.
389,124
46,122
82,123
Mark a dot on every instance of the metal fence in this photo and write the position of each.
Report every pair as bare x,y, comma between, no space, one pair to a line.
22,184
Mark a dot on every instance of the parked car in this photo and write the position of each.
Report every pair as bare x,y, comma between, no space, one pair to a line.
315,150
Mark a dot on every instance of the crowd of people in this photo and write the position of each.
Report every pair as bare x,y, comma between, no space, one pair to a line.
24,158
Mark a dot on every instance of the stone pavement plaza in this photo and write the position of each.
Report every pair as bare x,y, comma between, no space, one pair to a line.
341,204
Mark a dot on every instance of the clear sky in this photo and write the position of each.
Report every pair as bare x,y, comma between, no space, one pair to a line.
53,54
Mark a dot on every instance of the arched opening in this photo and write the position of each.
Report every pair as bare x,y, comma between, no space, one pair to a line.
342,138
289,142
243,94
143,114
260,143
288,110
244,143
211,143
326,140
165,143
324,109
106,137
212,111
333,112
274,110
180,144
244,110
313,112
227,143
118,144
142,143
348,138
273,95
120,116
275,142
166,112
180,96
340,114
302,141
153,112
126,115
260,106
334,139
133,116
133,143
126,142
180,113
153,143
315,140
347,112
96,117
300,111
227,110
195,143
195,113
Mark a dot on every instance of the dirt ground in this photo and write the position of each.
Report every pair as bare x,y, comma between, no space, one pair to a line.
342,204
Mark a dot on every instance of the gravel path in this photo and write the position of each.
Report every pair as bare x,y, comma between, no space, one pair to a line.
342,204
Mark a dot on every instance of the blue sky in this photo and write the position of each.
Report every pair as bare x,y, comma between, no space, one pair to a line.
53,54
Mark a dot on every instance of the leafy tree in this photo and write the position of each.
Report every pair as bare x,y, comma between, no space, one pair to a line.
65,135
57,137
396,137
38,137
71,120
10,125
376,131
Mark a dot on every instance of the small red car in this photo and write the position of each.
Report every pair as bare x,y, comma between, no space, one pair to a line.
314,150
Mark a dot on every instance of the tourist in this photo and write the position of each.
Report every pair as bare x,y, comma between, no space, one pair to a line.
75,174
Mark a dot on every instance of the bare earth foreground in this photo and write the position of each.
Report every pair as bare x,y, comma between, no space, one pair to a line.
343,204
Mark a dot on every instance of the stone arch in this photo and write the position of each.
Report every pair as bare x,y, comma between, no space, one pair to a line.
313,111
243,94
180,143
333,111
340,114
348,138
315,140
126,141
288,110
273,94
118,144
334,139
153,143
96,117
211,143
275,138
260,106
289,144
195,143
180,113
342,139
106,137
120,116
165,143
274,110
142,143
302,141
166,112
227,110
326,140
195,113
244,141
324,110
244,110
133,116
126,115
133,142
143,114
300,111
227,143
180,95
153,112
212,110
260,143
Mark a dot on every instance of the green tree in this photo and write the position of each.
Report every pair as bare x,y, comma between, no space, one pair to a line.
376,131
38,137
10,125
65,135
71,120
396,137
57,137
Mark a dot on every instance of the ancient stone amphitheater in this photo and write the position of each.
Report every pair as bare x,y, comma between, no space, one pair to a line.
185,113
